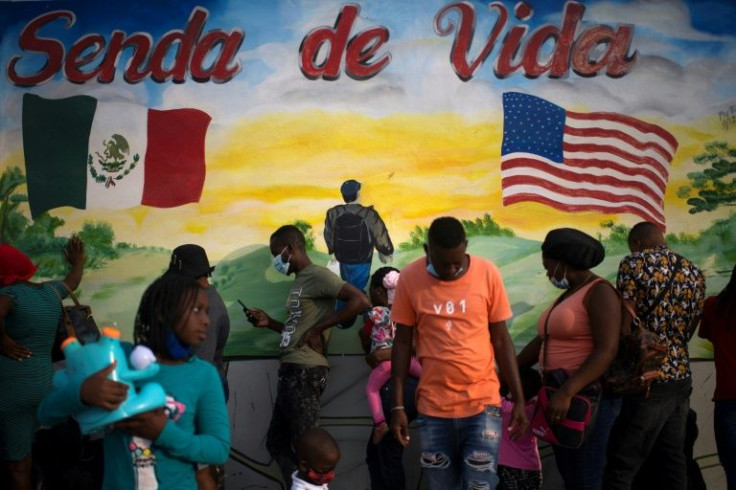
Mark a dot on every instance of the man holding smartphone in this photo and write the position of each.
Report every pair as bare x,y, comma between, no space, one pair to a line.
310,308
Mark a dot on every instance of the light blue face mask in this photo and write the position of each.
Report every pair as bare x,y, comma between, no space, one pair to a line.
432,271
560,283
280,265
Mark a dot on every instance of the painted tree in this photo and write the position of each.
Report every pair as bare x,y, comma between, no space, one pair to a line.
306,228
715,185
10,180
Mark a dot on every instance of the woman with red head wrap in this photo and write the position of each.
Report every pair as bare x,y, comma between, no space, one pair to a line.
29,314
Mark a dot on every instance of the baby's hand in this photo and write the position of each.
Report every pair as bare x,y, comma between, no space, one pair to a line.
99,391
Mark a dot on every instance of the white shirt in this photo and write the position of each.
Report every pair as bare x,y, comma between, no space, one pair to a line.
299,484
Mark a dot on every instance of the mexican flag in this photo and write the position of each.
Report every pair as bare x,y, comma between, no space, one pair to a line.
85,153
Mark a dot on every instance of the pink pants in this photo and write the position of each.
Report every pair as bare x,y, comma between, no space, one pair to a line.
378,378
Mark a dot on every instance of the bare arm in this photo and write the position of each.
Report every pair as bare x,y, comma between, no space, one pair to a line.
529,355
503,349
74,253
400,357
356,302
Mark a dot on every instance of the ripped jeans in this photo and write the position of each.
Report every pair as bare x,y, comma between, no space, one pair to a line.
461,453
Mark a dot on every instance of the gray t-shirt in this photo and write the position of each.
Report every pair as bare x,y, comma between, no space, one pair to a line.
211,349
311,299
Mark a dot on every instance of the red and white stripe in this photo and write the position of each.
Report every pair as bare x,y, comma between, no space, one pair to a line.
612,163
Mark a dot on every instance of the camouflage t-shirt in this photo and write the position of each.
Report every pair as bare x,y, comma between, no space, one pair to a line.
641,277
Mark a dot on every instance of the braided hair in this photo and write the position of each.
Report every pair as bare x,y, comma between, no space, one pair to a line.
163,307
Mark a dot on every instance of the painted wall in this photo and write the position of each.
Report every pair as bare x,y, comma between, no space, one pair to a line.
144,125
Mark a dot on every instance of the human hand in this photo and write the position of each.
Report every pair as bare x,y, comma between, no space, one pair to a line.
74,251
559,404
100,391
10,348
313,339
147,424
400,426
519,423
257,317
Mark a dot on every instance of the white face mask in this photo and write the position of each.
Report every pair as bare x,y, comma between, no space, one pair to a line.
280,265
560,283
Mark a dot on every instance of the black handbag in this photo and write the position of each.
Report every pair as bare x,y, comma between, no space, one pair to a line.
76,321
574,429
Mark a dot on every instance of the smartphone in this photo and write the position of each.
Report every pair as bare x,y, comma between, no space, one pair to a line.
248,314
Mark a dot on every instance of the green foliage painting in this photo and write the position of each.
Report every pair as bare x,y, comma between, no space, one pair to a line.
715,185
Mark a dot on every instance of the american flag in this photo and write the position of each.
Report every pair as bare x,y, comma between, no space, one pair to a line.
597,161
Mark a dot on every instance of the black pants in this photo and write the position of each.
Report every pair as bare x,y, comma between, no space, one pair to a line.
385,459
296,410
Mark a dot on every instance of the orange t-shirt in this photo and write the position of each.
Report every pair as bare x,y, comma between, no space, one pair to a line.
453,342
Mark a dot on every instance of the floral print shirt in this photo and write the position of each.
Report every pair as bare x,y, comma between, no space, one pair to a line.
382,329
641,277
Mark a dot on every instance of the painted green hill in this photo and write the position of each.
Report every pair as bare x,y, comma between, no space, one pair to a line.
115,290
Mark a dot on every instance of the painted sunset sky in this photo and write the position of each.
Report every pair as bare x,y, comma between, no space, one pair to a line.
423,142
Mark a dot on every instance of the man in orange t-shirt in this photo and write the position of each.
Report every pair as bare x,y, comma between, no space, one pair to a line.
457,307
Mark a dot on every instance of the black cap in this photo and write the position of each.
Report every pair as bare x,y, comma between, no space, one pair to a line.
573,247
349,189
190,260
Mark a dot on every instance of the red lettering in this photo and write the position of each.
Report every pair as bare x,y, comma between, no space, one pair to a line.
509,49
76,58
615,59
140,43
146,57
563,39
221,70
360,49
186,41
464,36
566,50
53,49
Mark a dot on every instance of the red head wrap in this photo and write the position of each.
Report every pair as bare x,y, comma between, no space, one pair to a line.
15,266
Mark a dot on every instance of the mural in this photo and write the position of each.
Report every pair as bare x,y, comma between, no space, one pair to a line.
144,125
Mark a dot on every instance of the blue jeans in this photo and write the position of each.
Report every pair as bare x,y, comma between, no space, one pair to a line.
582,468
654,425
385,460
357,275
724,424
461,453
